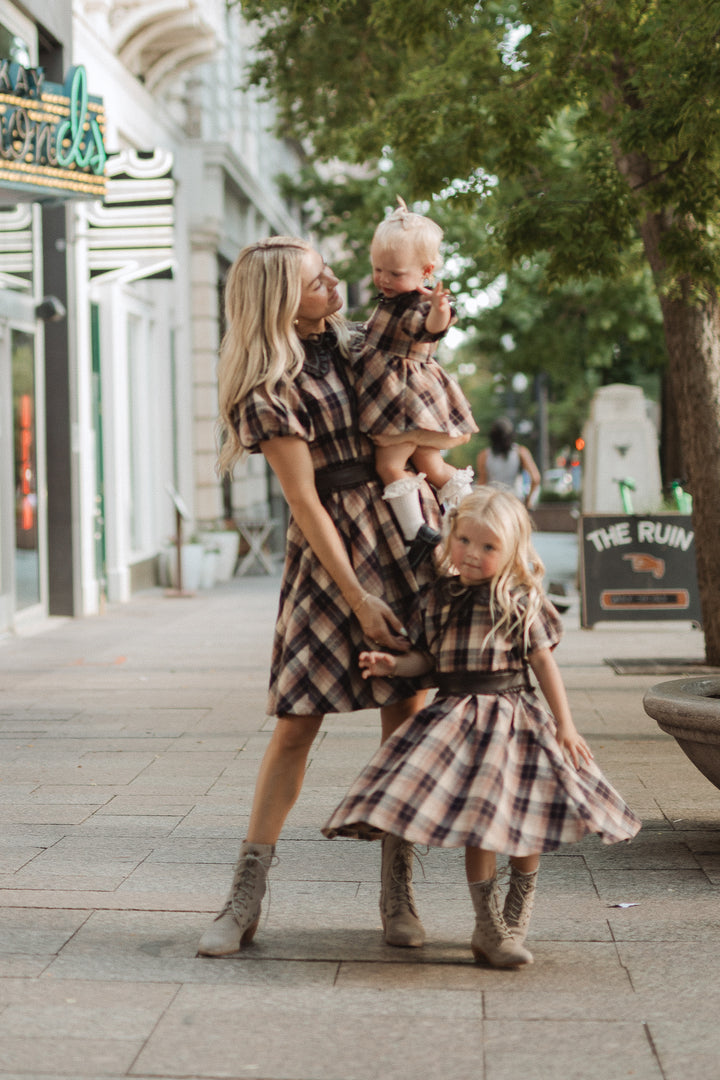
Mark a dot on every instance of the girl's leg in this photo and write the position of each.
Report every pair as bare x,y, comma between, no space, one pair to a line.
492,940
526,864
277,788
401,924
480,865
392,716
521,895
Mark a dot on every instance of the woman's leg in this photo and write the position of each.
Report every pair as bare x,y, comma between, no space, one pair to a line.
281,776
276,790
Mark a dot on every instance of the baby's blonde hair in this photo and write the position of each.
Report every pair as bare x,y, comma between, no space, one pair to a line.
261,347
403,227
516,593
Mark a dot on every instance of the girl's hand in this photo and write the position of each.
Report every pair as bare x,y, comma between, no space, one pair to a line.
573,745
380,625
376,664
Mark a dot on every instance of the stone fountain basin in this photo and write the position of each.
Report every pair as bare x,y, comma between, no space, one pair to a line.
689,710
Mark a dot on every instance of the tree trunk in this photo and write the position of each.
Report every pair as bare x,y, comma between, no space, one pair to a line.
692,335
692,332
672,464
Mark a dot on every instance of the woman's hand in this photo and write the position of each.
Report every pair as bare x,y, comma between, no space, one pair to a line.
380,625
377,664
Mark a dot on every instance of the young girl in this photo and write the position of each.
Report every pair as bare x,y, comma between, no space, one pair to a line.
407,404
486,766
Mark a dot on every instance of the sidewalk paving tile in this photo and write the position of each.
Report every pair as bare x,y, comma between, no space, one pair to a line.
129,747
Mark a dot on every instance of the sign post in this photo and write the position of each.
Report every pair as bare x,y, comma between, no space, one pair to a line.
640,567
181,514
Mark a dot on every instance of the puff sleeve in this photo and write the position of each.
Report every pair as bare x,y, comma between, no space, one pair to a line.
261,417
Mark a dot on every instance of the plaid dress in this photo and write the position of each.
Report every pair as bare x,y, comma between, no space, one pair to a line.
314,668
401,388
481,770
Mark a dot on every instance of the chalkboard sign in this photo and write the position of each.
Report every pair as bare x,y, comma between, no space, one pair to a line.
635,566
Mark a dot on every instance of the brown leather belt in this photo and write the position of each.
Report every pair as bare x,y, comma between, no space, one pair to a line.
461,683
340,477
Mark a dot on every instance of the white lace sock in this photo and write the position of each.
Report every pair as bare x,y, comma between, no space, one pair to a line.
404,498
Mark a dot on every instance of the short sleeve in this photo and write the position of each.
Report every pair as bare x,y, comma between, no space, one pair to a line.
260,419
546,629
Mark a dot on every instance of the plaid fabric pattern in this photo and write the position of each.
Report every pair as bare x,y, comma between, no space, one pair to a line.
483,770
314,667
400,386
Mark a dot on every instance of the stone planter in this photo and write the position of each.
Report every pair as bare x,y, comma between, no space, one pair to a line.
228,542
208,572
689,710
556,517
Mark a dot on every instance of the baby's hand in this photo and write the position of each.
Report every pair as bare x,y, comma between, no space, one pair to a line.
376,664
440,313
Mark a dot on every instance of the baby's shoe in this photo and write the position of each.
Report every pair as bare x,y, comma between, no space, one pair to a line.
457,487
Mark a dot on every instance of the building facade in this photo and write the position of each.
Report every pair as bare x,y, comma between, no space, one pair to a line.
110,287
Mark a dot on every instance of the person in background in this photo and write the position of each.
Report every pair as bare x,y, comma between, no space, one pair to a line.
504,462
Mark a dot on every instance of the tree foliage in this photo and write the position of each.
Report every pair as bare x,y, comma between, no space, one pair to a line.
574,133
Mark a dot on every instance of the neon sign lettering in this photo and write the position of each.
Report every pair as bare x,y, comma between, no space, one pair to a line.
51,136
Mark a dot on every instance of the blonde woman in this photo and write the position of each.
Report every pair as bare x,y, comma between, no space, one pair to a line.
286,380
486,766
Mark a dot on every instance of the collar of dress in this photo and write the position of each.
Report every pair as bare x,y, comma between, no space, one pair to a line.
319,351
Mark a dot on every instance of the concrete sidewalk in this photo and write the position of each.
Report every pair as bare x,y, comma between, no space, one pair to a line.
130,744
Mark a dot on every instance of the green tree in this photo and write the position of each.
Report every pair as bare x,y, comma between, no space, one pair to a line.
577,126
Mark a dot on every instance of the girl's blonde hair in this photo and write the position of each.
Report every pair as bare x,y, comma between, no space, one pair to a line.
405,227
516,593
261,347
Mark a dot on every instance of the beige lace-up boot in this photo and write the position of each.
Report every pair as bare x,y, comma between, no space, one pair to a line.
401,925
519,902
236,924
492,940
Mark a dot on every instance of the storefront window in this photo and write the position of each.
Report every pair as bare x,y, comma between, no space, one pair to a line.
27,560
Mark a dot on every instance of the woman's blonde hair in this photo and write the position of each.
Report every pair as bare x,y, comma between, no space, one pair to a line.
516,593
261,347
405,227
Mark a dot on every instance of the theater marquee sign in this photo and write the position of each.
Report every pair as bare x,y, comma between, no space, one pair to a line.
51,136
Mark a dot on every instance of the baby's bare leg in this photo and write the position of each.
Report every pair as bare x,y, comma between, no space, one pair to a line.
390,460
429,460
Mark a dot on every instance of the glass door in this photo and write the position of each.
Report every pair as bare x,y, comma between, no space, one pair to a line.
25,458
22,579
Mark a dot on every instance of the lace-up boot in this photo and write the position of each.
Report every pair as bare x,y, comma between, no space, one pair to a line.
236,924
519,902
401,925
492,940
